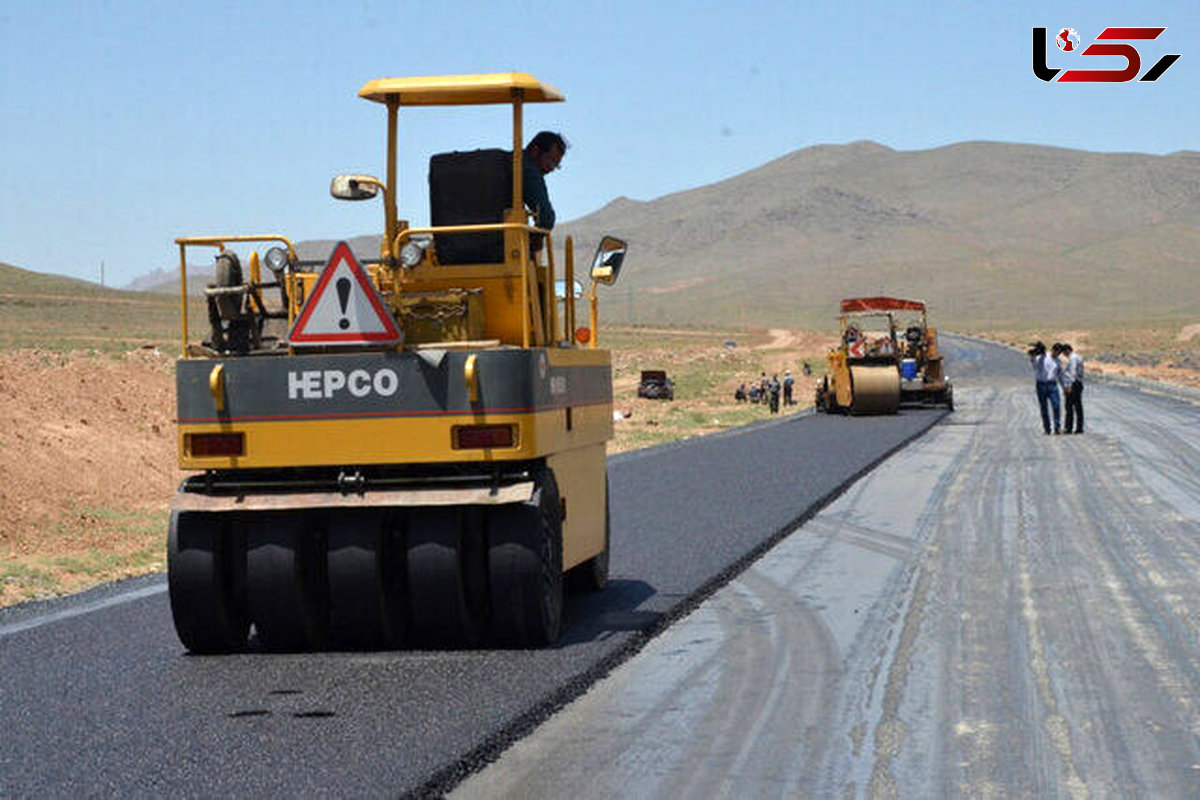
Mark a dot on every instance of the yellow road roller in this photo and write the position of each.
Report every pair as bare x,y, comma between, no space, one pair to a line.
864,367
405,449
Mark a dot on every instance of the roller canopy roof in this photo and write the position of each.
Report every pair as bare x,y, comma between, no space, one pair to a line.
881,304
460,90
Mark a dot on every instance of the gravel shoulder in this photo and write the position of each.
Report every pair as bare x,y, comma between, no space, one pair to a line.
991,612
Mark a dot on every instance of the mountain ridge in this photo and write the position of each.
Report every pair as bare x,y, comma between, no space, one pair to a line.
990,233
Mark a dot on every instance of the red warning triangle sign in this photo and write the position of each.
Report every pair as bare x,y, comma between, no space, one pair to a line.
344,307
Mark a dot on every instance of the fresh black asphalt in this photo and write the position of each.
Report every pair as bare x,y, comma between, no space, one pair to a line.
98,698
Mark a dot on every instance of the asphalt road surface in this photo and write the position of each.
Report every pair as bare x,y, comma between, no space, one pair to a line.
991,613
98,698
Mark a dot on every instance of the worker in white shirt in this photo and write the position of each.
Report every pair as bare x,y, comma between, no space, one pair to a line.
1072,383
1046,370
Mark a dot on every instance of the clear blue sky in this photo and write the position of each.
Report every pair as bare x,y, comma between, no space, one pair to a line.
123,124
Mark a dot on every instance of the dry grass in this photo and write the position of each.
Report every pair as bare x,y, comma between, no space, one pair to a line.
705,373
86,546
61,315
1164,353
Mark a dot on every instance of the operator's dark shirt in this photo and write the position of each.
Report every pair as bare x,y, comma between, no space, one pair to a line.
536,197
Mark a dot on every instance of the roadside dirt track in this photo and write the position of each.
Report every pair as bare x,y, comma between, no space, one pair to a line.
992,612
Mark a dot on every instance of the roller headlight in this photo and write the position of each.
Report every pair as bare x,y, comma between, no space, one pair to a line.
276,260
411,254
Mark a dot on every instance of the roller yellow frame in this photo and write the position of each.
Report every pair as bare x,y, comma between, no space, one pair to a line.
515,88
479,425
538,319
223,394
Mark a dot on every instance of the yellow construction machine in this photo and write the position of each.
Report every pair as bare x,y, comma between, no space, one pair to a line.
923,378
402,449
864,367
875,367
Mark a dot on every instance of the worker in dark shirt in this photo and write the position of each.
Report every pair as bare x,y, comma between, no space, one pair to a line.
542,156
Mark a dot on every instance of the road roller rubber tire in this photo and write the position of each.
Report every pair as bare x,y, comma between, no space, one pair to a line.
447,575
205,581
525,574
286,581
367,603
592,575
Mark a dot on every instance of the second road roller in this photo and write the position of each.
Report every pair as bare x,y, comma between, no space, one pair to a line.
875,366
405,449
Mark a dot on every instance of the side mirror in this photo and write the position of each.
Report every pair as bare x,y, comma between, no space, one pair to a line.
610,254
354,187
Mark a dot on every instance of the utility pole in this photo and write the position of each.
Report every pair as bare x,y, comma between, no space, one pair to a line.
101,272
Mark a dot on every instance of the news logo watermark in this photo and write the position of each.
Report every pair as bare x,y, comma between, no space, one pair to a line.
1111,42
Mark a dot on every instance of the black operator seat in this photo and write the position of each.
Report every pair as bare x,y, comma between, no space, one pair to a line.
470,188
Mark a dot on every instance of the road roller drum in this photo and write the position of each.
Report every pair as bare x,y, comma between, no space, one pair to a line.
875,390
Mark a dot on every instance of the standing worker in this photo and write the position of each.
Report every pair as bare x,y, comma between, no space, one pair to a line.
788,383
773,388
1072,383
1046,371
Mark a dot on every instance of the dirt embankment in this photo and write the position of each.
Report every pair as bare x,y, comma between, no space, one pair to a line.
83,438
1151,354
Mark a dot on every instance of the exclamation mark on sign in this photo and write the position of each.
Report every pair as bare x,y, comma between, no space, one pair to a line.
343,290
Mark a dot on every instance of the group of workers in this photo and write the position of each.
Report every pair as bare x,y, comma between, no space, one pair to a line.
768,390
1060,367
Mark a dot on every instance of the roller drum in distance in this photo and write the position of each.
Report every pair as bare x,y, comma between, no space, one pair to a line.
875,389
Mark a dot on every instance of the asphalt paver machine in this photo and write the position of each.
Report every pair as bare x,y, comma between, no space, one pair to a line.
406,449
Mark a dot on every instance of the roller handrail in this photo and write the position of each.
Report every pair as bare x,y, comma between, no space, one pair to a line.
219,241
490,227
493,227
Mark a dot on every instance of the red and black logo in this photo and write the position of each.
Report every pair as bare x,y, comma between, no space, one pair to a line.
1068,41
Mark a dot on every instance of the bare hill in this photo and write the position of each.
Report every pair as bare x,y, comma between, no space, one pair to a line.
18,281
166,279
992,235
41,310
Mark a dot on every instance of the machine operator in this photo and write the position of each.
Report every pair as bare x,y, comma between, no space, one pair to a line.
542,156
